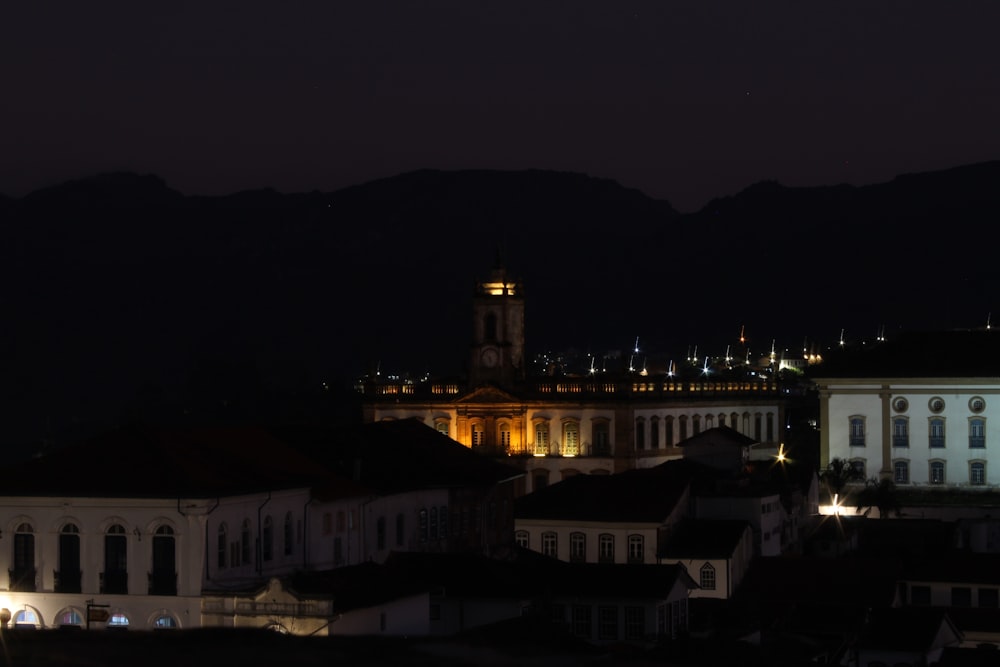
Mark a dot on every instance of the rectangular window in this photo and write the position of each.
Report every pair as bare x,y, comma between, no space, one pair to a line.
380,533
900,432
635,622
606,548
635,549
400,529
640,434
901,472
988,598
961,596
581,620
936,429
977,473
550,545
578,547
602,443
607,622
338,551
477,435
521,538
977,433
857,432
937,472
422,524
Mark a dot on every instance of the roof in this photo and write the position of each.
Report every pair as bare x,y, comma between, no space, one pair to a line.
918,354
642,495
141,462
705,538
913,629
401,455
716,436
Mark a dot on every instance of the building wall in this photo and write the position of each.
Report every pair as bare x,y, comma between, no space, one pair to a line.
878,406
142,520
765,514
592,532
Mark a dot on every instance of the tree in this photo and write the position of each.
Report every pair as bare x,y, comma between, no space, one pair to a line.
837,474
880,494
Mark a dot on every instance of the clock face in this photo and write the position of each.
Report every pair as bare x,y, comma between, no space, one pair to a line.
490,357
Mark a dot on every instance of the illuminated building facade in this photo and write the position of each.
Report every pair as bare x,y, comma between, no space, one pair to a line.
558,426
920,410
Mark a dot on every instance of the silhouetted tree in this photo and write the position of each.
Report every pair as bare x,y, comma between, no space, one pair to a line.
880,494
837,474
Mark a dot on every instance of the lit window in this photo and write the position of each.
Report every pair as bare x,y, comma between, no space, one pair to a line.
571,439
118,620
442,427
478,435
541,438
165,622
503,435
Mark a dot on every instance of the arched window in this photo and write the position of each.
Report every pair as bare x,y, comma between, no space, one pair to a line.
25,618
22,576
221,546
577,547
602,438
541,438
400,529
668,438
288,535
683,421
937,472
977,473
267,539
696,424
707,577
68,577
550,545
478,434
163,578
246,544
640,433
164,621
114,579
503,435
654,433
118,620
521,538
571,438
606,548
901,472
70,616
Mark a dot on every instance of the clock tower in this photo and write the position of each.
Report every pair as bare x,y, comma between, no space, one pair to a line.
497,351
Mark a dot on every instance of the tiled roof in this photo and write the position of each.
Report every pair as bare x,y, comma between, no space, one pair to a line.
401,455
718,435
144,462
644,495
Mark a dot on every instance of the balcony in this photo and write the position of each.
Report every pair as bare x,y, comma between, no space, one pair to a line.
22,580
163,583
114,582
68,581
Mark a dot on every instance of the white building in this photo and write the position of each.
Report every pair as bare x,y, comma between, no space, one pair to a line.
921,410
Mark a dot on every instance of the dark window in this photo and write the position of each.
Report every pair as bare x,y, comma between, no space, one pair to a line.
707,579
607,622
901,472
977,433
380,533
635,622
163,578
602,440
422,524
920,595
288,534
961,596
115,578
857,432
221,547
267,539
582,625
606,548
246,546
400,530
900,432
577,547
936,426
69,574
937,472
988,598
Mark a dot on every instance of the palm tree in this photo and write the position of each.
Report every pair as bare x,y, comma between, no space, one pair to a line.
837,474
880,494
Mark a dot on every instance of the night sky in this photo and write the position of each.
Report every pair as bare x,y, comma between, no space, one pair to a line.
683,100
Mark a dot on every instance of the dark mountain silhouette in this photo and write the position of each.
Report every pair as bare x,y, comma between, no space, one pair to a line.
126,299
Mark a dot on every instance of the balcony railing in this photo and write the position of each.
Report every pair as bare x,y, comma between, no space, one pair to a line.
22,579
114,582
68,581
163,583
